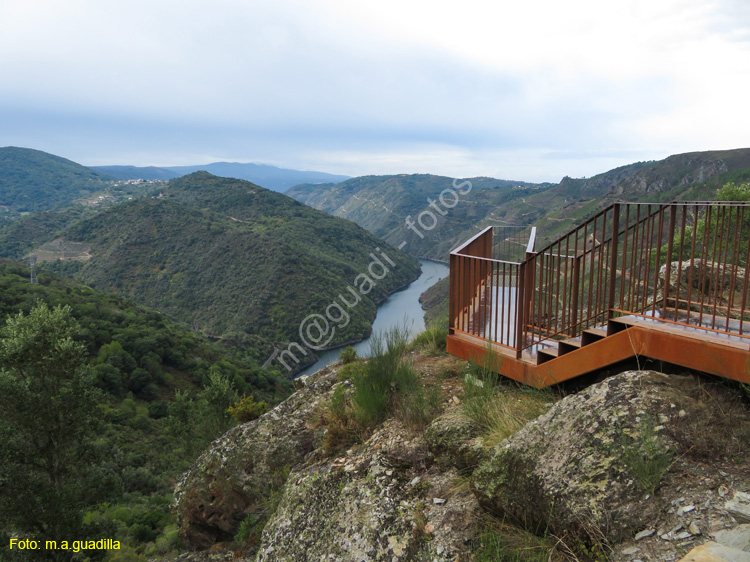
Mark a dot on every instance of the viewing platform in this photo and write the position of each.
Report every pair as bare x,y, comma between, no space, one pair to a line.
660,281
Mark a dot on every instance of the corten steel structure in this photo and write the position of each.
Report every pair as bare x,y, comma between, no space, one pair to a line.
663,281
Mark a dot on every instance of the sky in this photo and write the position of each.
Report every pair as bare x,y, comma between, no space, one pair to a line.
531,90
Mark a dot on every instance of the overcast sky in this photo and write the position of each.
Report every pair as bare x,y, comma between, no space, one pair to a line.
530,90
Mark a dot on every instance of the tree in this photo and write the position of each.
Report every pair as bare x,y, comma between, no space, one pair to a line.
48,401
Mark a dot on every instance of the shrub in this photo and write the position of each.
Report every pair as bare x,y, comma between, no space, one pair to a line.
646,456
499,410
348,355
513,544
433,340
247,409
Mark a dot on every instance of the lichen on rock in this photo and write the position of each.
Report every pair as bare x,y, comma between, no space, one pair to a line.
567,472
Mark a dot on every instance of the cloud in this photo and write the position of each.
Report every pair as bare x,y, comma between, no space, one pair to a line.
371,86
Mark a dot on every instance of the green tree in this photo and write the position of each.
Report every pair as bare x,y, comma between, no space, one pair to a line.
48,400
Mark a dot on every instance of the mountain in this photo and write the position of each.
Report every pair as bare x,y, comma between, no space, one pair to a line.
32,180
270,177
382,204
228,256
136,172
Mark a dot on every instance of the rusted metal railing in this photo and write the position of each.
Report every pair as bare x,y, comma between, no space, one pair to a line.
679,263
484,284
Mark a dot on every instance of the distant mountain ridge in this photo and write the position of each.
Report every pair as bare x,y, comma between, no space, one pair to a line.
382,204
270,177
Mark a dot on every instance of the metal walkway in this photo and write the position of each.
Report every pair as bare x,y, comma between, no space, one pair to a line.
665,282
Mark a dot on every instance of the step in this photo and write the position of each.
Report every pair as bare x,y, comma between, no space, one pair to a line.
592,335
615,325
566,346
546,354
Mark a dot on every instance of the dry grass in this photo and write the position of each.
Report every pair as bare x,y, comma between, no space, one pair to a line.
715,423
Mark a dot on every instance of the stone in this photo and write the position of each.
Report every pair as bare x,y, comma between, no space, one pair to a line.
688,508
738,538
645,534
571,475
694,529
713,552
438,501
739,507
452,440
234,476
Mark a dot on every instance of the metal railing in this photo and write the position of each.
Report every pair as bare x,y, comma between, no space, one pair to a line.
679,263
484,284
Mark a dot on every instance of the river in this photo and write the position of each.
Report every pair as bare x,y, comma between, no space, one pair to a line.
400,309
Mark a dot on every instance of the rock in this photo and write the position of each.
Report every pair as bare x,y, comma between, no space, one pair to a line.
630,551
567,471
704,280
645,534
688,508
328,514
240,469
712,552
739,507
738,538
453,441
694,529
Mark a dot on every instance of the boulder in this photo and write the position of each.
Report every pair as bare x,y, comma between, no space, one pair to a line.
705,281
378,502
567,472
233,477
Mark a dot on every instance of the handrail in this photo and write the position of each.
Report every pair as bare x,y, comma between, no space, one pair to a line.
681,261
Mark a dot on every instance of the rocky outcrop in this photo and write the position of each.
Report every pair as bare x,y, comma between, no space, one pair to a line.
428,495
381,501
568,471
238,472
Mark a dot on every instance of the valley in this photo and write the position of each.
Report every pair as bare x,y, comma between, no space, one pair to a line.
180,289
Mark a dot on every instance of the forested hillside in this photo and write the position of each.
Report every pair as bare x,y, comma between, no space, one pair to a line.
382,204
138,396
32,180
227,256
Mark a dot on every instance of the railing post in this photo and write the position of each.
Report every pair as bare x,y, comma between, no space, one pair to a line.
613,260
521,308
576,288
668,261
452,293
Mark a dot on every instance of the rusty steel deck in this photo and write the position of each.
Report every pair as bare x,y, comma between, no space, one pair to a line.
665,282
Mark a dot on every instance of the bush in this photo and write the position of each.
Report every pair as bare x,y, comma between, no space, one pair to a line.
497,409
348,355
433,340
646,456
247,409
387,384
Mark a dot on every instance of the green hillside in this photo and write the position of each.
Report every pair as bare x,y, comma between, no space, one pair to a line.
32,180
156,392
227,256
382,203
